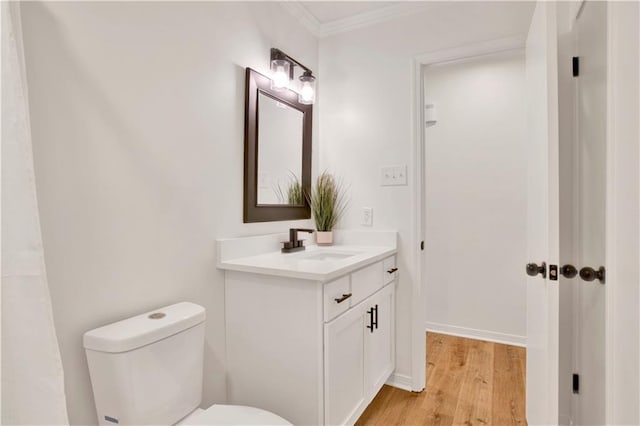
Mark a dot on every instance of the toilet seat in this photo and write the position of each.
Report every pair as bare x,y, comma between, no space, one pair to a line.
234,415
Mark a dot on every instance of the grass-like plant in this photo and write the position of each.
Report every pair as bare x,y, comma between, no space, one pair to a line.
294,193
327,201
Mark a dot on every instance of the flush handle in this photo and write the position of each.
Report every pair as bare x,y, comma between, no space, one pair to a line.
533,269
343,298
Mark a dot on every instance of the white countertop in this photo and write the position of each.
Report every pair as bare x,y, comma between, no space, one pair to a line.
306,265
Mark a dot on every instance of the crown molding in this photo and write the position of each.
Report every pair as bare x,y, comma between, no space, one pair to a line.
361,20
377,16
302,14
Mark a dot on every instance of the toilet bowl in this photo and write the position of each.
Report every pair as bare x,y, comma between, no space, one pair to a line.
233,415
148,369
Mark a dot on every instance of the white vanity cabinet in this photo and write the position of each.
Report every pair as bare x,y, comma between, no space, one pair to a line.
311,351
358,356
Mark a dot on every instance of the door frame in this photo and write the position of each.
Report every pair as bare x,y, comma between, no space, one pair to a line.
418,308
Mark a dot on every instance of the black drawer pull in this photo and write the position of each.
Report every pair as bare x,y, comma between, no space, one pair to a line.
392,270
343,298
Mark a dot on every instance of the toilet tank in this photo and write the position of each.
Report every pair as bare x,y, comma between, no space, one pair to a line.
148,369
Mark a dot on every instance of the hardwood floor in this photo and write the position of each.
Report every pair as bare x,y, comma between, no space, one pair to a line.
469,382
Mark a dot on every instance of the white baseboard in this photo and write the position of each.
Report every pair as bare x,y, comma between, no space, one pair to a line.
400,381
564,420
472,333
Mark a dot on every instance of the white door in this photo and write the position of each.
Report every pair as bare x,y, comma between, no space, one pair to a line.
344,390
542,216
379,348
591,36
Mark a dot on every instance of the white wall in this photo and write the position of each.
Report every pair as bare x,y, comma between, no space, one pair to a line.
137,114
366,79
475,195
623,224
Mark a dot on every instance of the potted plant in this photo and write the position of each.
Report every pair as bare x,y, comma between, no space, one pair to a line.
327,205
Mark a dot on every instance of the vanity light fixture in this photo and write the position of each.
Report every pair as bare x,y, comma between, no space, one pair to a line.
282,66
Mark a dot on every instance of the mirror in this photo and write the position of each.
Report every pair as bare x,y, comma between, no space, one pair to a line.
277,169
279,153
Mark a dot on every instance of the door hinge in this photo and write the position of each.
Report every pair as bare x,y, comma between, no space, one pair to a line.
576,383
421,245
576,66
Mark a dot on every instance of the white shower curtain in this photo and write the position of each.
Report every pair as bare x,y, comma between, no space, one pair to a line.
32,377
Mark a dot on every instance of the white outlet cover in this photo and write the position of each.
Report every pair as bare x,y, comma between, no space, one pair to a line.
367,216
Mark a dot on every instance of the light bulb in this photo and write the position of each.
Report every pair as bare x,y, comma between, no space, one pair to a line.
280,79
307,92
279,74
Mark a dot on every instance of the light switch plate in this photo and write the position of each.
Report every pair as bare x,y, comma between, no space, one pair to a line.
393,175
367,216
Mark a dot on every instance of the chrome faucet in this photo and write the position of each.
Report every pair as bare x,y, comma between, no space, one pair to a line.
294,244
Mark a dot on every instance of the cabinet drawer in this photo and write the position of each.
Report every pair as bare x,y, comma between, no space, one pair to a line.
336,298
365,282
389,269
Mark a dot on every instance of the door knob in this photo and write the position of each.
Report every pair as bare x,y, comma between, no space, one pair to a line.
568,271
533,269
589,274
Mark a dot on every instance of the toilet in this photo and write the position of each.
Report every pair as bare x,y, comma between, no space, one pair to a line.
148,369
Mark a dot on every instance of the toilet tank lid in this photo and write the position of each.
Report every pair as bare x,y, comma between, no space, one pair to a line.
144,329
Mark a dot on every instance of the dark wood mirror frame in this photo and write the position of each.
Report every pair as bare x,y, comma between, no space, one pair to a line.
257,83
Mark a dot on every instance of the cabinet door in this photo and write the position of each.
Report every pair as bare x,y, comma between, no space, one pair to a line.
379,348
344,390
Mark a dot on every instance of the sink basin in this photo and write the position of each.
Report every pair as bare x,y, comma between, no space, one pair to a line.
326,255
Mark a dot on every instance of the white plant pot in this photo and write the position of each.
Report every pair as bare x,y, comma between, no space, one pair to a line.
324,238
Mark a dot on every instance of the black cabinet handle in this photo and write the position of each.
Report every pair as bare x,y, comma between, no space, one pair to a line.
371,323
533,269
392,270
590,274
343,298
375,322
